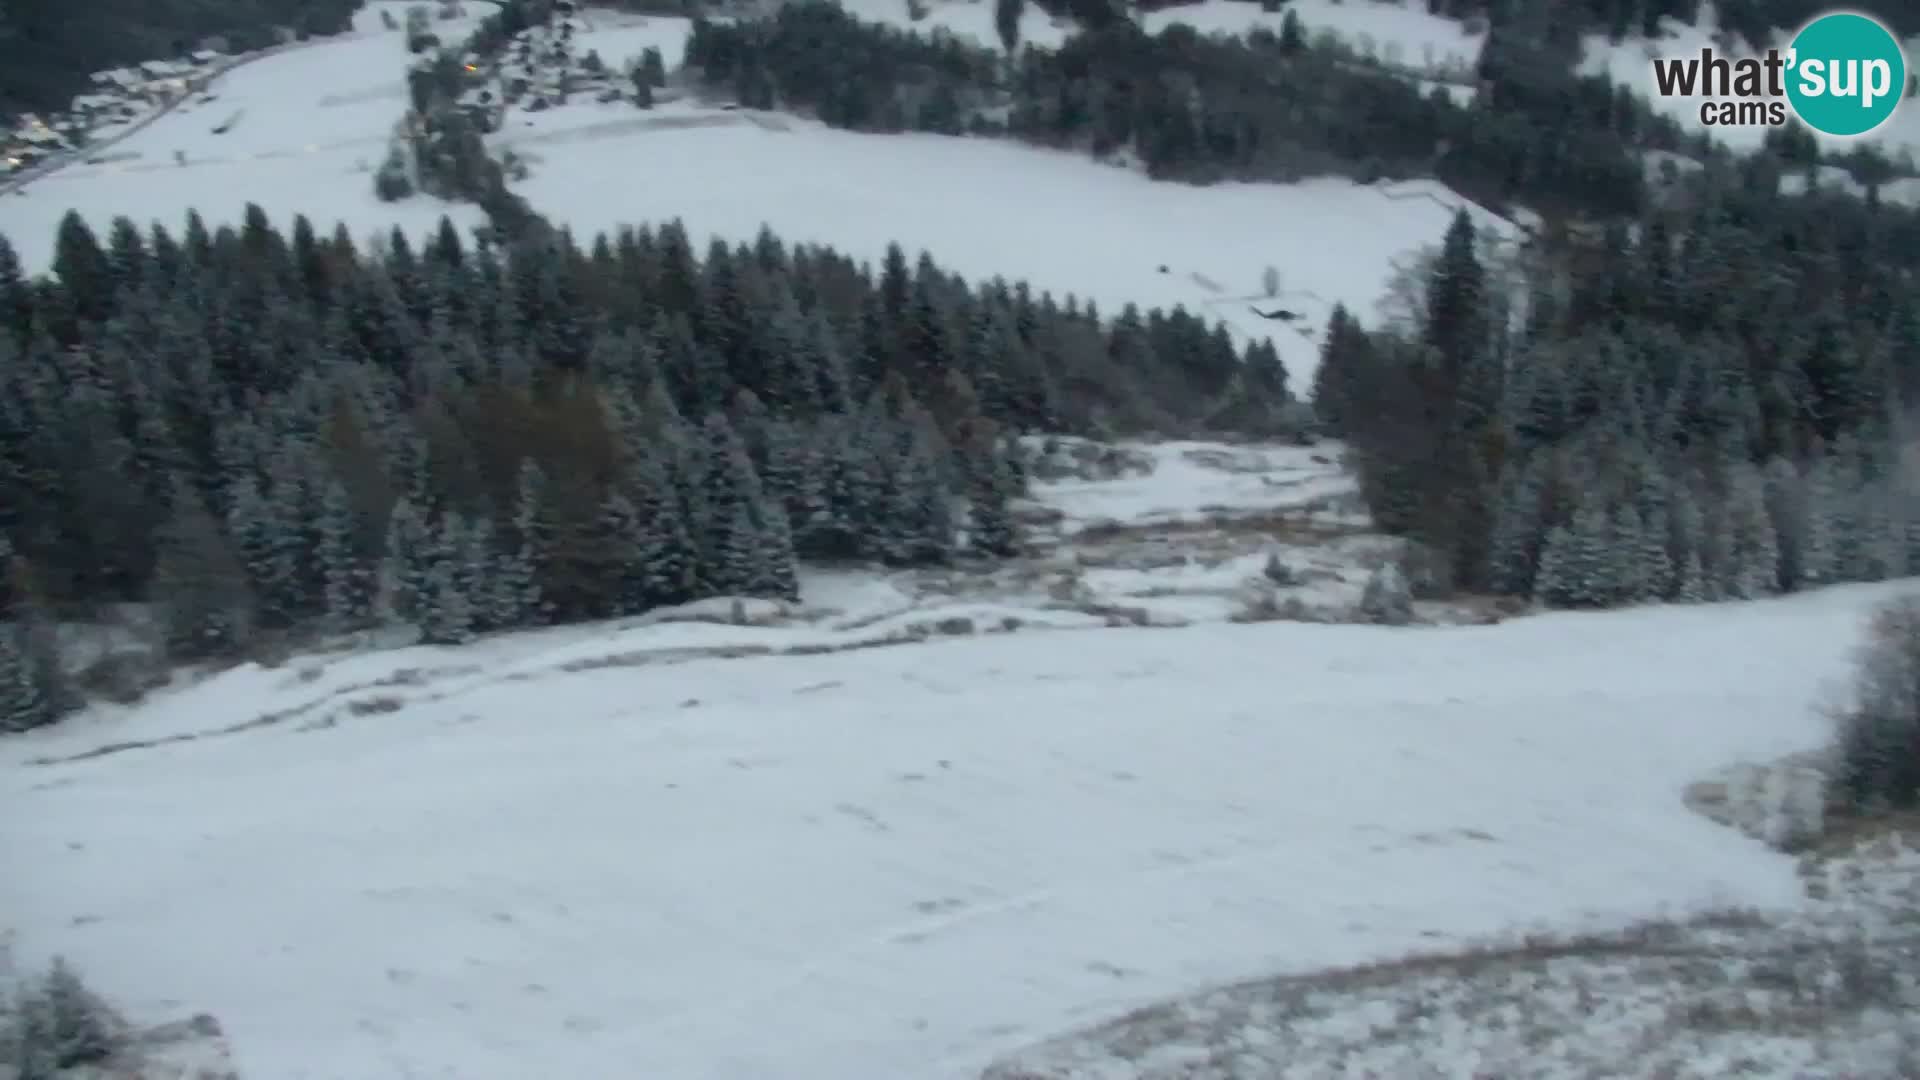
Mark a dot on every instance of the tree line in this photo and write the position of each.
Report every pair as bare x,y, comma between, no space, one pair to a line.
269,433
1703,403
1277,106
1263,106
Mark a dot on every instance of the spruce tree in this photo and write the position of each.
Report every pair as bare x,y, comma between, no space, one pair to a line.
446,608
668,558
776,572
1006,22
532,541
620,537
406,587
24,702
199,585
349,584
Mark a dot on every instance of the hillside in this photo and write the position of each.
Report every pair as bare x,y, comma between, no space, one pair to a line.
586,852
939,538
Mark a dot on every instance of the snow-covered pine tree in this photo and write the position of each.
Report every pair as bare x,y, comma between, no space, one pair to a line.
1787,508
1628,575
776,572
406,587
1656,564
829,529
921,514
1834,482
783,464
291,587
990,525
668,556
736,561
1517,532
1752,567
478,569
1690,583
1574,565
618,539
199,585
24,703
250,524
349,583
531,543
446,616
729,490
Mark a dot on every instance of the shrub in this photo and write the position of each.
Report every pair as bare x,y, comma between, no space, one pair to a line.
1877,742
1386,599
53,1023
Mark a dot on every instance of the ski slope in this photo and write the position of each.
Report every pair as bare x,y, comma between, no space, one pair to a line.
885,864
303,129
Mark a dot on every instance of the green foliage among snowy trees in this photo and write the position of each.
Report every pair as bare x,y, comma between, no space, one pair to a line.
266,432
1709,402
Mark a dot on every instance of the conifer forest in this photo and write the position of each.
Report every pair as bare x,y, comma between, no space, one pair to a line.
1679,386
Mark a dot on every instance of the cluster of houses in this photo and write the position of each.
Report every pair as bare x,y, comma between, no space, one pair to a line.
120,95
543,69
31,140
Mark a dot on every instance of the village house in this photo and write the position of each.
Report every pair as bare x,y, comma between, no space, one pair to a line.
125,79
34,131
96,108
31,140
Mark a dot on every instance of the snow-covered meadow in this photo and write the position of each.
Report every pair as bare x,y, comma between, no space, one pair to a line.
986,208
1826,991
585,855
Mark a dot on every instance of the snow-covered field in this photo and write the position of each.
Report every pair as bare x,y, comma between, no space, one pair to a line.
1827,991
1092,230
1400,32
1397,31
303,128
970,20
594,853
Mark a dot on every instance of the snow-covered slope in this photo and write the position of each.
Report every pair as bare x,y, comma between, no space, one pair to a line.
302,128
987,207
887,863
1400,32
308,123
1397,31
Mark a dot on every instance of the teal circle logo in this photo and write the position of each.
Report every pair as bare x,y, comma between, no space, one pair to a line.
1846,74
